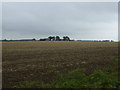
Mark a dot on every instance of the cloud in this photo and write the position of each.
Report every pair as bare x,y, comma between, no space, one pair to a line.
0,20
79,20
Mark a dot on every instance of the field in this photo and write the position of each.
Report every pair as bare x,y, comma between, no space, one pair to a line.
34,60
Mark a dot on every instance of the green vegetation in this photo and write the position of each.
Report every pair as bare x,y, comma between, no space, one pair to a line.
77,79
105,78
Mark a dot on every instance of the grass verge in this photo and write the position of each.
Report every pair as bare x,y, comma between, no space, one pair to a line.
104,78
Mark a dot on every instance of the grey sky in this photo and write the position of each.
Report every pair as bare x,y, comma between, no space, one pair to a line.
78,20
0,20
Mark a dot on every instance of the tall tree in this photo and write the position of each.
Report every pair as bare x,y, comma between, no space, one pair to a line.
34,39
57,38
67,38
53,38
50,38
64,38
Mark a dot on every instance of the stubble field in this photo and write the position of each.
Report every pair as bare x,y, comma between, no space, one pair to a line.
32,60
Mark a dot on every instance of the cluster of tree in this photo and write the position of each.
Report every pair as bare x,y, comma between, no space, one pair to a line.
56,38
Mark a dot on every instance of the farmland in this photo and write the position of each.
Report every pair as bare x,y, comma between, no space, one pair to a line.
33,60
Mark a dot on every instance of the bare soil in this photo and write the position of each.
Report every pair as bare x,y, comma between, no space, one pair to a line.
33,60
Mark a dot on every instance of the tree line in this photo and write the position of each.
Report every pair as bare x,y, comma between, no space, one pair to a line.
56,38
50,38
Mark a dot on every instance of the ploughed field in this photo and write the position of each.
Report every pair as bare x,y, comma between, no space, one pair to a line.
32,60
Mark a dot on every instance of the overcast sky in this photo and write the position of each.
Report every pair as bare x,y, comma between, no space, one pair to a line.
77,20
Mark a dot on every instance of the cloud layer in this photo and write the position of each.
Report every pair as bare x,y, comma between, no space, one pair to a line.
87,20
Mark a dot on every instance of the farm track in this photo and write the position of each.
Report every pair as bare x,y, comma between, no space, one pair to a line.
32,60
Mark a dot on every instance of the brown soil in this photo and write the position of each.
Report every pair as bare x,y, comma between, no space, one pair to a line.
32,60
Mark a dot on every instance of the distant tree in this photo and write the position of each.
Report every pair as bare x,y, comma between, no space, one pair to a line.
5,40
105,40
42,39
112,41
50,38
53,38
57,38
34,39
66,38
11,40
